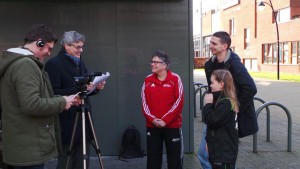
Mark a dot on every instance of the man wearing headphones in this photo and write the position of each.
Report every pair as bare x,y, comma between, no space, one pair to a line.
29,108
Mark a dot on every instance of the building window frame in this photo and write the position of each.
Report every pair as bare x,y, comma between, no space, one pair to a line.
197,46
283,15
246,38
289,53
232,26
295,52
298,52
205,48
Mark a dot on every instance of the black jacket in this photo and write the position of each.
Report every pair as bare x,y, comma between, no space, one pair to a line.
246,90
222,133
62,70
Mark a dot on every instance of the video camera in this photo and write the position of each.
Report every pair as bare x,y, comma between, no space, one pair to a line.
82,81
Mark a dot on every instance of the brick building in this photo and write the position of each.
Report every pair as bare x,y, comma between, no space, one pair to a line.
253,32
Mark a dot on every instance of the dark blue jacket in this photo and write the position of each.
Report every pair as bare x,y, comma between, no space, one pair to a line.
246,90
62,70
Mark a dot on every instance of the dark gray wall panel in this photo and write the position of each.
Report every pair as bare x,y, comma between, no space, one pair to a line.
121,36
142,29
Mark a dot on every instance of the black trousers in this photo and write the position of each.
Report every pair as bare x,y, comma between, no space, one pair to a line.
172,137
38,166
223,165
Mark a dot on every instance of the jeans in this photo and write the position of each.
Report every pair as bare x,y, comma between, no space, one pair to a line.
202,153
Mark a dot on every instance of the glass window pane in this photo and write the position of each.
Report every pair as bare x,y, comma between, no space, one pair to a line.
298,47
285,56
274,53
285,46
264,54
294,48
267,57
284,15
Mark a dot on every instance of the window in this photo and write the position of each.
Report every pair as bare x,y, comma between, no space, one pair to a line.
205,49
298,46
289,53
231,27
267,53
250,64
285,53
274,53
197,46
294,53
283,15
294,48
246,38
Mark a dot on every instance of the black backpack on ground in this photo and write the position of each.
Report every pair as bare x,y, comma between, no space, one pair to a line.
131,144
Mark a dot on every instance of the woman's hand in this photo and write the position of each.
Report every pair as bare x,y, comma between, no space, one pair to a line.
159,123
209,98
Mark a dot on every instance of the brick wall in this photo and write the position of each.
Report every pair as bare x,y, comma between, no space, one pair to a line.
262,30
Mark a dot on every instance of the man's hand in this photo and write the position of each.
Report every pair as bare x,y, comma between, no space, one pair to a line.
90,86
101,85
71,100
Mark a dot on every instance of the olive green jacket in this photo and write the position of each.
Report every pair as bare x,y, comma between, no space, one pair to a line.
29,109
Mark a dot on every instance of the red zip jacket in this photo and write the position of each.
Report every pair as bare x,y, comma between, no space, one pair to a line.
163,100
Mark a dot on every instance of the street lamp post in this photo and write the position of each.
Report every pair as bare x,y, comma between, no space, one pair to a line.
261,4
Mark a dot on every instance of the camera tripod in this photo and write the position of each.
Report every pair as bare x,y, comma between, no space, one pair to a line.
84,111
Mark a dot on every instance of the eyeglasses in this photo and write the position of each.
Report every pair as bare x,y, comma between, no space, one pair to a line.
77,47
155,62
49,48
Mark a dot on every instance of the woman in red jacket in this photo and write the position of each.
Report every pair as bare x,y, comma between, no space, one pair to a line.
162,103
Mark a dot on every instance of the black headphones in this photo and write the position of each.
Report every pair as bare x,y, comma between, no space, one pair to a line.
40,43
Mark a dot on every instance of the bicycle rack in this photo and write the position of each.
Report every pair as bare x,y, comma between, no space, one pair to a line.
202,95
268,116
200,88
197,84
201,102
289,146
195,93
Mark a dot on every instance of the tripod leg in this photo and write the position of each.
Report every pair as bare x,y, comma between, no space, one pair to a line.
95,139
72,141
84,139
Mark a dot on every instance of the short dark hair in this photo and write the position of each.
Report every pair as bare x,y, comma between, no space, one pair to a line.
224,36
40,31
162,55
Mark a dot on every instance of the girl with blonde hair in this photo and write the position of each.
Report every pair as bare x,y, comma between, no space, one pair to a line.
220,116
